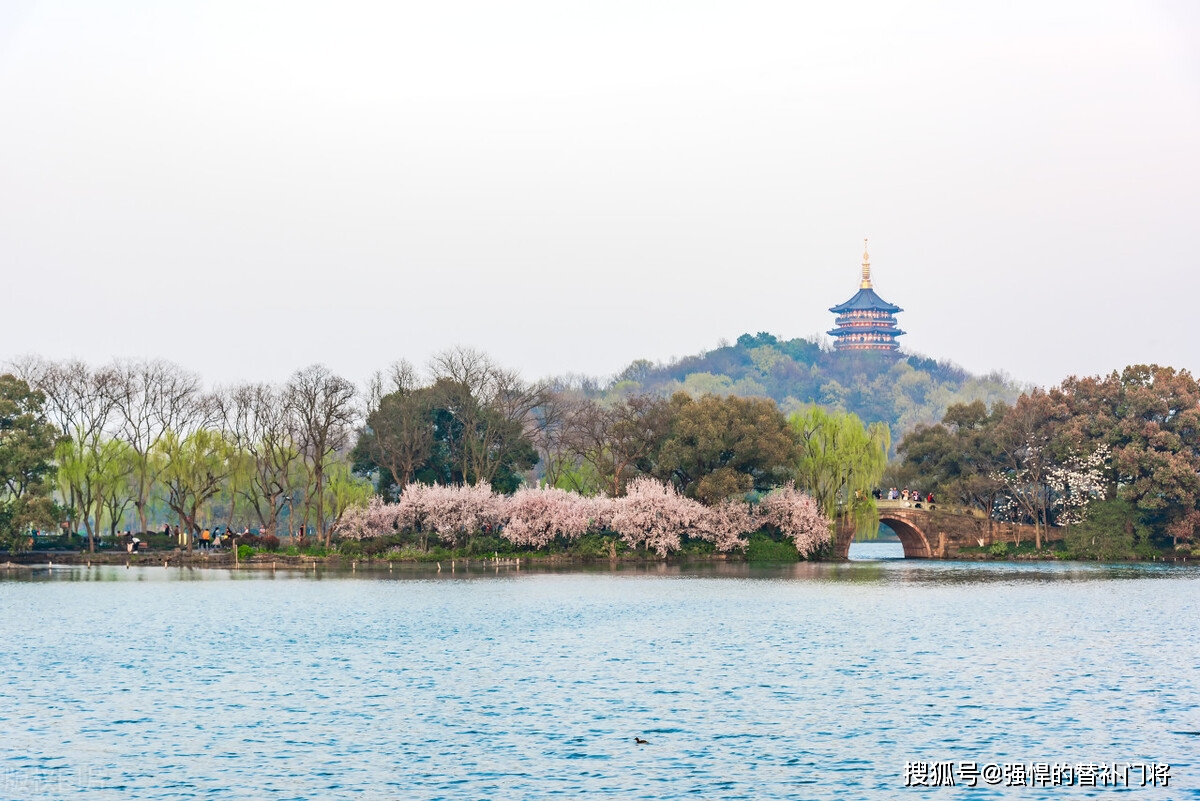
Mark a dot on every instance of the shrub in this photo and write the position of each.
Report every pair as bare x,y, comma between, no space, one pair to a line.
1146,550
1110,532
999,549
266,542
158,541
599,545
762,548
377,546
245,552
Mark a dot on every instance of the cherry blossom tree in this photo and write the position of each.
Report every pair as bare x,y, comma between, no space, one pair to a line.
797,517
376,519
654,515
537,517
725,524
600,511
456,512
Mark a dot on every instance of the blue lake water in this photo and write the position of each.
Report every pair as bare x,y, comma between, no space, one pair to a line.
814,681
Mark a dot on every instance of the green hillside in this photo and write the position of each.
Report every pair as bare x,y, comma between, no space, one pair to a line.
902,390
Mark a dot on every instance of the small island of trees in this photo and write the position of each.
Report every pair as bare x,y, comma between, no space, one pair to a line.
470,458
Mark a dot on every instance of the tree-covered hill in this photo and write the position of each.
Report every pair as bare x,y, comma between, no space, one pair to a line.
902,390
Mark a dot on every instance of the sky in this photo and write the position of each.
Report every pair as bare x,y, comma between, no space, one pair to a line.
246,188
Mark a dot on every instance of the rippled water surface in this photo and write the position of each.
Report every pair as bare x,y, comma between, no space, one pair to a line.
798,681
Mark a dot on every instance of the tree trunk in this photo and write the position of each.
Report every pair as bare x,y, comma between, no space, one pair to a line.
71,507
319,482
141,511
232,505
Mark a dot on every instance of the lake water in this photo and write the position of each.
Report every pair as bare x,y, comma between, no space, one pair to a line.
813,681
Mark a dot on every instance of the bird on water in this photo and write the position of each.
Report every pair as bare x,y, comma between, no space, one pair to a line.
640,741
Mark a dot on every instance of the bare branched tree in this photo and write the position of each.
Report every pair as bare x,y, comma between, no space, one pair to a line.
81,403
401,377
618,440
324,407
260,421
552,435
491,405
152,398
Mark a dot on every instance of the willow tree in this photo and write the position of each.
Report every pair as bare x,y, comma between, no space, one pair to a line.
345,490
96,478
191,470
841,461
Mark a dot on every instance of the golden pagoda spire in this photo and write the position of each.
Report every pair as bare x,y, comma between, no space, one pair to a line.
866,265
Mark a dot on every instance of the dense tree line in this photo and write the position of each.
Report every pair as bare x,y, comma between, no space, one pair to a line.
141,444
473,422
127,438
1106,461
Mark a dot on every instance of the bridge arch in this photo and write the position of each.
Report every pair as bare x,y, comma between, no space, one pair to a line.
916,544
912,537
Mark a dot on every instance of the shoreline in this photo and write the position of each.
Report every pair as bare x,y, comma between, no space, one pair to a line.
270,561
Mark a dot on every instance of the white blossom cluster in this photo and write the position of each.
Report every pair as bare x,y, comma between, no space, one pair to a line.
1076,483
1052,489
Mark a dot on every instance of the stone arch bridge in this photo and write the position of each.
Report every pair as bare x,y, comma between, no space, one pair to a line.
935,531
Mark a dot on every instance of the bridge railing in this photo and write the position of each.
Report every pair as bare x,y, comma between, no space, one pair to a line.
885,504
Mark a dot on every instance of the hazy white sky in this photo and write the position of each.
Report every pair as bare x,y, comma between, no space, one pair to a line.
249,187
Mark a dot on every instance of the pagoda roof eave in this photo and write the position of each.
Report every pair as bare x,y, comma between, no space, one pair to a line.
866,300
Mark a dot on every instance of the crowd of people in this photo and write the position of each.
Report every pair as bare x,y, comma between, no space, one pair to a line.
907,495
208,539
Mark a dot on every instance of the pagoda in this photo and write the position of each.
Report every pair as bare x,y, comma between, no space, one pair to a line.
866,321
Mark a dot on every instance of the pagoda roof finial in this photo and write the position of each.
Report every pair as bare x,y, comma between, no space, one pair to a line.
866,268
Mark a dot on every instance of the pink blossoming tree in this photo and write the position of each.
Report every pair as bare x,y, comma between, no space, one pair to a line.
797,517
654,515
376,519
538,517
726,524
